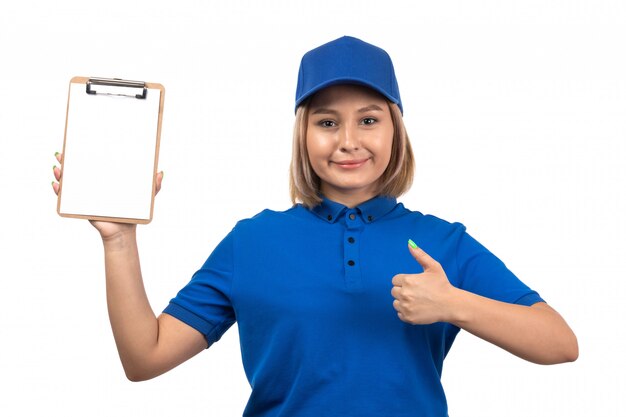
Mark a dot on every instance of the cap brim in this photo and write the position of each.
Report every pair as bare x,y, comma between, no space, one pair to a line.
343,80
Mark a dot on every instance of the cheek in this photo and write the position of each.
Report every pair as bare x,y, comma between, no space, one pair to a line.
318,147
314,154
382,149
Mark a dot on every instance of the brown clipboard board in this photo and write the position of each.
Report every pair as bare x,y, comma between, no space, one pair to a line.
111,150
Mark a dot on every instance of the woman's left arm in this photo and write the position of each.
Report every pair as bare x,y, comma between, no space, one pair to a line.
537,333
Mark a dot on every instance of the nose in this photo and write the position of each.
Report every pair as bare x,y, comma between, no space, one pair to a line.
349,139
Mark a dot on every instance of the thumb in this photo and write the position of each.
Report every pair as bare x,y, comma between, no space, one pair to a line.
422,257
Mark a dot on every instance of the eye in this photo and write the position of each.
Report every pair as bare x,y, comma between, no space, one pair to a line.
327,123
368,121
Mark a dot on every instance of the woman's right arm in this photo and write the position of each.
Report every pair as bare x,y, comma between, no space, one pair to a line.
148,345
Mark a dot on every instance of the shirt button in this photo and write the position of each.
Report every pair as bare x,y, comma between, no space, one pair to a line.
351,239
351,262
329,217
352,216
370,218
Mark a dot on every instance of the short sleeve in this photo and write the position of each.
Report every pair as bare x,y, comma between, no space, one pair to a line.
205,302
482,273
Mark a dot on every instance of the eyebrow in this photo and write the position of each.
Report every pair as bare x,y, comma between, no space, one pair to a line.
324,110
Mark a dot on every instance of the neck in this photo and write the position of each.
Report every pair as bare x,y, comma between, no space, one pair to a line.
349,200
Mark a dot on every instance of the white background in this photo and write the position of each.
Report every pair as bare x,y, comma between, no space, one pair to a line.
516,112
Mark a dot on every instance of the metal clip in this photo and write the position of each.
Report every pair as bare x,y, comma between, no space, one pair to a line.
117,82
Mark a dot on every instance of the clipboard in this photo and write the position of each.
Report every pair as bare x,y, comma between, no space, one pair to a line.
111,150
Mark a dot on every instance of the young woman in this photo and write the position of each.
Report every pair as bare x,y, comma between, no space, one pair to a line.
337,315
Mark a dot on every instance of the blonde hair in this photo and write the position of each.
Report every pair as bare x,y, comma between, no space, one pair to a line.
304,184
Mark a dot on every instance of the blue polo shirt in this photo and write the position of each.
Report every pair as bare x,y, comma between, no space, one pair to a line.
310,291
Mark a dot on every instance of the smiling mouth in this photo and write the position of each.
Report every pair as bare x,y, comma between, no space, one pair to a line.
351,164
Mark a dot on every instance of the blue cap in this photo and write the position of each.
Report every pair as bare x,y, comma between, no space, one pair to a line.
347,60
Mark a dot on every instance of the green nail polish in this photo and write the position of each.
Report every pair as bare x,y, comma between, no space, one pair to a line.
54,167
52,182
56,154
412,244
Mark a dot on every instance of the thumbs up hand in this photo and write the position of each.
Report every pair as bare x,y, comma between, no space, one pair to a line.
423,298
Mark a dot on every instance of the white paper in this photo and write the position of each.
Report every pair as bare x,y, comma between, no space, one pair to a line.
109,159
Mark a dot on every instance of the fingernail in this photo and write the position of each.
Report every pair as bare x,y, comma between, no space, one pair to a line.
412,244
54,167
162,174
53,183
56,154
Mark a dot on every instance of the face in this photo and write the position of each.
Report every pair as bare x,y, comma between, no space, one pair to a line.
349,139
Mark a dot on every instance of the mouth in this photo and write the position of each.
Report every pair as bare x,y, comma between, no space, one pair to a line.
351,163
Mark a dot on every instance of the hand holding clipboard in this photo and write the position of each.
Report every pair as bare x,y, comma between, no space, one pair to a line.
106,229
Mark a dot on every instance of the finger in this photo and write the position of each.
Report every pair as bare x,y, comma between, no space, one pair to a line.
422,257
55,187
396,305
159,181
57,172
59,157
395,292
398,280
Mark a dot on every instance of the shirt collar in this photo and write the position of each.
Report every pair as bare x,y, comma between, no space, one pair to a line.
370,210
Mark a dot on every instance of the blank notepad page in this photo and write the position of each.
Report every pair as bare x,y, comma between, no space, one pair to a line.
110,152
